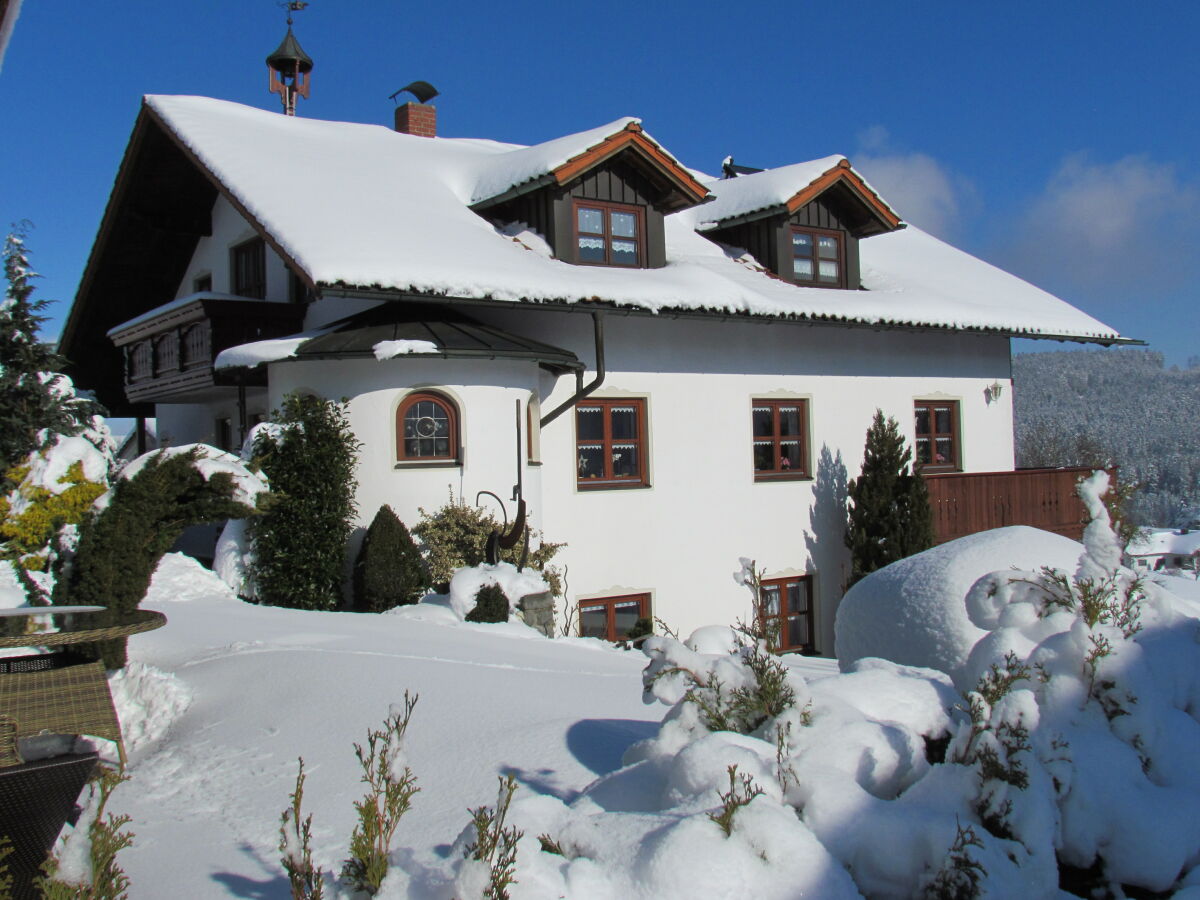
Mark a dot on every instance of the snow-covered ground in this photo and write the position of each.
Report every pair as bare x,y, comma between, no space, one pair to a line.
210,777
1036,756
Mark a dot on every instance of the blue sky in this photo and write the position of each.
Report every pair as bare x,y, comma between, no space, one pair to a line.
1058,140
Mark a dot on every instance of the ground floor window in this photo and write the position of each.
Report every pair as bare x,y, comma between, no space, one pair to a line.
937,435
787,611
614,618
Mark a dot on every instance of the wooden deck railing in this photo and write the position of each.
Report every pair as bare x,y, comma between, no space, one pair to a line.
964,503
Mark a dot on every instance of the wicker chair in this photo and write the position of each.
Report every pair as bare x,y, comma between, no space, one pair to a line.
36,799
59,694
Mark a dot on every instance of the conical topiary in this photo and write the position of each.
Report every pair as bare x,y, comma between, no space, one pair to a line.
389,571
890,517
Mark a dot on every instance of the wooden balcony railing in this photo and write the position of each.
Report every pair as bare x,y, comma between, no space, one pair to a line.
169,353
965,503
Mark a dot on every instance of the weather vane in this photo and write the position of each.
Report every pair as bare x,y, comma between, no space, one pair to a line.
292,6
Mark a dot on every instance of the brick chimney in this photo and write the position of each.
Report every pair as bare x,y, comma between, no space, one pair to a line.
417,118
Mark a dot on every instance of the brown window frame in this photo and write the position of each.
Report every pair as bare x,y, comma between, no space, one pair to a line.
781,632
610,605
248,269
609,481
933,435
455,454
608,207
779,472
839,236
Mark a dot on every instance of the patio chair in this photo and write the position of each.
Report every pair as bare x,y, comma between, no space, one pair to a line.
59,693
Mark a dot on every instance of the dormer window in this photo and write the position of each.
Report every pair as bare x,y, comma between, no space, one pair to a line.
818,258
609,234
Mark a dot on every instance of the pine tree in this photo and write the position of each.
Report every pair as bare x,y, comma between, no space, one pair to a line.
389,571
300,542
890,516
33,395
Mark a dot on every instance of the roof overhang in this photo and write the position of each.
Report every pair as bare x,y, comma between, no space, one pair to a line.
455,336
617,309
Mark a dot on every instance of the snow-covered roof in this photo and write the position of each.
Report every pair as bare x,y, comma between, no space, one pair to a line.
1165,542
771,189
365,206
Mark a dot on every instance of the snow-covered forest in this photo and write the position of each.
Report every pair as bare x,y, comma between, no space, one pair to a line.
1118,406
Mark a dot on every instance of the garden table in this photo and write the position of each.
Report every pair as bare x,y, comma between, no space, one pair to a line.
60,692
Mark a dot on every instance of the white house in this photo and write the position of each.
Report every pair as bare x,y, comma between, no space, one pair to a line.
1153,549
680,370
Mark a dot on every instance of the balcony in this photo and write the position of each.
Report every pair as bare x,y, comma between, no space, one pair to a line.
964,503
169,351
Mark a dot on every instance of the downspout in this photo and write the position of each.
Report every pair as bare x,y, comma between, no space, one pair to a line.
580,391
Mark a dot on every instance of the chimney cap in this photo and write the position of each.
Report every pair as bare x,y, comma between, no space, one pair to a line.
422,90
289,56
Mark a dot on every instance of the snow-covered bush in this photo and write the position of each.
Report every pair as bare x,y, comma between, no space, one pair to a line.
154,499
467,582
299,543
49,495
455,535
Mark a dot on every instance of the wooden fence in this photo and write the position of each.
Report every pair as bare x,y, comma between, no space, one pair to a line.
964,503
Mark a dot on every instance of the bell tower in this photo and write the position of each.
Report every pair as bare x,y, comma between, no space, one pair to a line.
289,65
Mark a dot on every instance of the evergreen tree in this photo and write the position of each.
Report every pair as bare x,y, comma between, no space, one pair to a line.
389,571
33,395
300,541
890,517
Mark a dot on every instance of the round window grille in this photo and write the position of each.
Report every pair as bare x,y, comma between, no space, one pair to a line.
426,427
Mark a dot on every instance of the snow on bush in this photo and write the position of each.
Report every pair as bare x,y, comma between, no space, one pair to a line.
466,582
913,612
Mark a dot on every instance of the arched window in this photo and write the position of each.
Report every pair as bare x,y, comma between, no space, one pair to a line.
426,428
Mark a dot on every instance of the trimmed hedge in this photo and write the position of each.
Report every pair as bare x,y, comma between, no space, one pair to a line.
389,571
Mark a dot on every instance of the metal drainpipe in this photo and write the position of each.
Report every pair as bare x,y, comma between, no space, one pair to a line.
581,392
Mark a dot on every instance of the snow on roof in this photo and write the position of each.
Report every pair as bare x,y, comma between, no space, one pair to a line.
768,189
522,164
365,206
1164,541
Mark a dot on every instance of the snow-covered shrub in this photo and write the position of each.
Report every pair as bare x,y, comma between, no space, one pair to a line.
299,542
156,497
391,785
467,582
306,880
491,605
889,517
389,571
456,534
86,866
490,861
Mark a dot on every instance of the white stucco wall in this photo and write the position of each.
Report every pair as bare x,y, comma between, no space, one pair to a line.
485,392
680,538
212,255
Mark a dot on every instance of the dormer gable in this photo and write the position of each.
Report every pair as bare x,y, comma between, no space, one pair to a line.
604,203
803,222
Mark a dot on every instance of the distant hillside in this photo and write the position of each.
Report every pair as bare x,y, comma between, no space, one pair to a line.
1084,407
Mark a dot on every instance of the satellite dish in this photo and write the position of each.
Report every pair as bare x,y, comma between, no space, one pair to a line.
422,90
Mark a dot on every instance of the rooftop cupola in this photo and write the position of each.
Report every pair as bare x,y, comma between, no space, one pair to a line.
289,65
